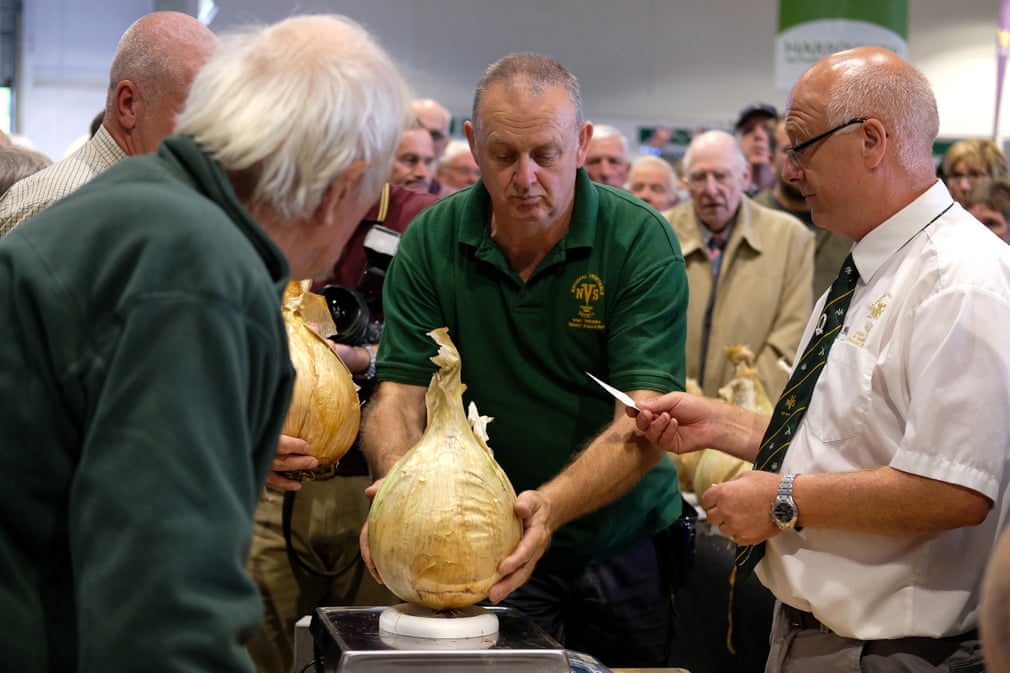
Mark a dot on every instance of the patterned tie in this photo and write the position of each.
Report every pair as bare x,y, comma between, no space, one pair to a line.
716,244
792,405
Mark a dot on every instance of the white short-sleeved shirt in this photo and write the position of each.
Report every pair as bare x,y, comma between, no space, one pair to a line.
919,379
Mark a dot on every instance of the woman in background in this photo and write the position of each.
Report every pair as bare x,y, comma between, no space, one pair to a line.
968,163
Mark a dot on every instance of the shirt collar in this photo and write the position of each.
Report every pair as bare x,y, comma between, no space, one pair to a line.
884,240
106,146
707,234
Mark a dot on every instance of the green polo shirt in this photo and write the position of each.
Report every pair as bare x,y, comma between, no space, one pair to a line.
610,298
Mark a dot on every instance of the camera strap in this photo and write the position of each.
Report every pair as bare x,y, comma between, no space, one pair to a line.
383,203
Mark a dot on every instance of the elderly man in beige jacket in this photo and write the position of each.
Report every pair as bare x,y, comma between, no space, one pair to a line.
749,269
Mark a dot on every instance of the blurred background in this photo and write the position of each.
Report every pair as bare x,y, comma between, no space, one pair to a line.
643,64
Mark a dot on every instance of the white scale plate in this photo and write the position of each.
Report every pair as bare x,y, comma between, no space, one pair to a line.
351,641
417,621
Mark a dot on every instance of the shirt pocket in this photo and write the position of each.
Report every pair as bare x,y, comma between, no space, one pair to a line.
841,402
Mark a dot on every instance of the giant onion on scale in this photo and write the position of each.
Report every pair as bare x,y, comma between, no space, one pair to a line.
444,516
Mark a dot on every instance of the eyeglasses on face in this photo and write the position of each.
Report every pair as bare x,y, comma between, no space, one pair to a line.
793,151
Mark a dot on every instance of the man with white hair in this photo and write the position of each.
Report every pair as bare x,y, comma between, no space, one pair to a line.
146,352
749,268
154,64
653,180
457,168
607,156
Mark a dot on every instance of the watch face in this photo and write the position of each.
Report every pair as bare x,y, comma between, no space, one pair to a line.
783,511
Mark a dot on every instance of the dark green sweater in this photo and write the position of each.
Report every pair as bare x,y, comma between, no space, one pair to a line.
144,378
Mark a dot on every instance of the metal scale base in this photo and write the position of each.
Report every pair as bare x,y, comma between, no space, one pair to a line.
350,641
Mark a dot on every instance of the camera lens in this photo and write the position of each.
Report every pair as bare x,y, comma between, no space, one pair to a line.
349,312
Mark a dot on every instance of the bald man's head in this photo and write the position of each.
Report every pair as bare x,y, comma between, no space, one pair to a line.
155,63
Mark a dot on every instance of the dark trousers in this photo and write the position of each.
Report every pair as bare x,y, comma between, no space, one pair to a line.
715,614
619,611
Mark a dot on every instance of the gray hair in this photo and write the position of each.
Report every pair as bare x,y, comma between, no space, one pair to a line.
531,73
17,163
455,148
604,131
902,99
658,162
294,105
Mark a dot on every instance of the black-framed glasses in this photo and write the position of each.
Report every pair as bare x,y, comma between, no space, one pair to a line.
793,151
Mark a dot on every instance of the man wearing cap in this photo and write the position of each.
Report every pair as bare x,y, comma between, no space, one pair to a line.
754,128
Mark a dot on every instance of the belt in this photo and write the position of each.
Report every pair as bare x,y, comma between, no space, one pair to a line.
352,464
799,619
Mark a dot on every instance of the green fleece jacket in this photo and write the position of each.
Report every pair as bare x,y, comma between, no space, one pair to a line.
144,378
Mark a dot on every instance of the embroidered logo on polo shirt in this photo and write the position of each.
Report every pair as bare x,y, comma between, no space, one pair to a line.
587,290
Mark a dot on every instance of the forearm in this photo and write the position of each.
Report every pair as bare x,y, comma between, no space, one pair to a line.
738,431
394,421
885,501
611,465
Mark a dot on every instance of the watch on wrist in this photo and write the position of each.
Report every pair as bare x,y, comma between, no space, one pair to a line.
369,373
784,512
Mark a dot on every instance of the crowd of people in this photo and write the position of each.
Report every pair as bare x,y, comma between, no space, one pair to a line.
140,282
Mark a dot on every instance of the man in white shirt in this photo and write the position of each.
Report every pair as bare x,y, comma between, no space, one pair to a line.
893,488
155,62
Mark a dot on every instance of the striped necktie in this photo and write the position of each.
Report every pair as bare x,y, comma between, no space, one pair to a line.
795,399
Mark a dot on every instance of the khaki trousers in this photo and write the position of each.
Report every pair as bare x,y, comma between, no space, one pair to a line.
326,520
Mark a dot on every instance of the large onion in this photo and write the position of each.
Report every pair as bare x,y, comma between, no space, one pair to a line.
444,516
324,410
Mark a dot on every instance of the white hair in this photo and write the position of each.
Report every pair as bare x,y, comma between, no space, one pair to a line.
293,105
455,148
728,140
901,98
604,131
658,162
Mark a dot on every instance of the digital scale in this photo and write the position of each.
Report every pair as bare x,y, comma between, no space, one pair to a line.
361,640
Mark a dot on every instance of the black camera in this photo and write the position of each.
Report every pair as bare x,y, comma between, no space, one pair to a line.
357,312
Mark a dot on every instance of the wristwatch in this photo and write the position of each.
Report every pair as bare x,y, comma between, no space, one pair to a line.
784,512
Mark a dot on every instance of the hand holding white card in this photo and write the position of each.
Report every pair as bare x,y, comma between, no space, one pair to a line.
621,396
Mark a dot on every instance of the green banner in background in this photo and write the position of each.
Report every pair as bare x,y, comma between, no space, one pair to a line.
812,29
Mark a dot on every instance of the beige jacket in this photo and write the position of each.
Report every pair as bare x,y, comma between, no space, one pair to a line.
763,297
